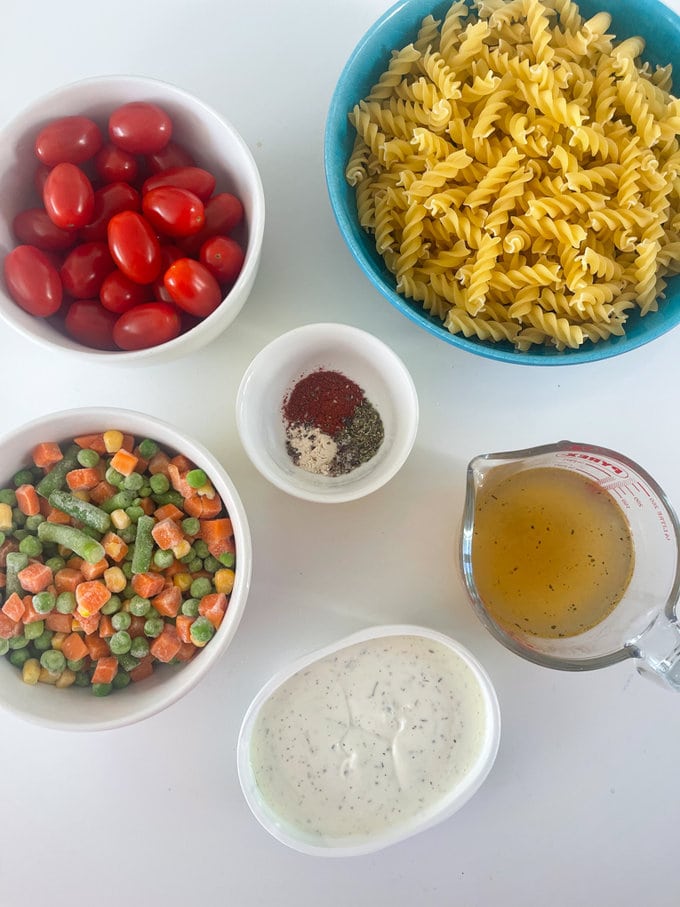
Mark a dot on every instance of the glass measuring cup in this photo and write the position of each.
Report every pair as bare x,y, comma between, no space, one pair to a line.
643,625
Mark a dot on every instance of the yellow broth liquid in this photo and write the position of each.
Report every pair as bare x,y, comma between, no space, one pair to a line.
552,552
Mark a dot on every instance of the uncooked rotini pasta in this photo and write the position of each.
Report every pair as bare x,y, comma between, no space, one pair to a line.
520,170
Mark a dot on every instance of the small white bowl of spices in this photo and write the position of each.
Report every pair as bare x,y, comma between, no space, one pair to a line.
327,412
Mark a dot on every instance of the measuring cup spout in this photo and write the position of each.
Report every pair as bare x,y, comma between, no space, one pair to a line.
657,652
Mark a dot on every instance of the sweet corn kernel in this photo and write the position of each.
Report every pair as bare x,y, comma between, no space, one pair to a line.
57,640
30,673
113,440
114,579
224,580
66,679
120,519
47,676
182,581
182,549
206,491
5,517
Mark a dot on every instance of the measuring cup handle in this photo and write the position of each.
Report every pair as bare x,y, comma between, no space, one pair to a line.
657,652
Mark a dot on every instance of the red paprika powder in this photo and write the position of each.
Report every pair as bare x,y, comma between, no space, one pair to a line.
325,399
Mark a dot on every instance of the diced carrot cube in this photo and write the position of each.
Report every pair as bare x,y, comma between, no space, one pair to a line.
106,669
168,601
8,627
159,463
74,562
184,464
148,505
35,578
136,627
186,652
147,584
128,442
124,461
27,500
168,512
91,596
67,579
60,623
143,670
142,462
214,607
83,479
167,534
114,546
3,579
89,625
106,628
92,571
203,507
14,608
74,647
46,454
92,442
218,535
167,645
183,624
54,515
101,492
97,647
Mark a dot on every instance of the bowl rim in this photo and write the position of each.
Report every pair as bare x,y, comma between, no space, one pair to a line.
409,416
468,786
209,328
243,540
353,236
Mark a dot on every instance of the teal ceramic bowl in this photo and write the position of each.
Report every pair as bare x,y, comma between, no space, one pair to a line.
651,19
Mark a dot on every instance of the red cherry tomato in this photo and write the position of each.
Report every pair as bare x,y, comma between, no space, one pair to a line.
85,268
192,287
140,127
223,257
113,165
195,179
172,211
91,324
41,174
109,200
134,246
68,140
223,213
68,196
168,255
147,325
33,281
173,155
118,293
34,228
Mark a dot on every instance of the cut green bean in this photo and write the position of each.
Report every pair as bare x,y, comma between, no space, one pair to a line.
141,560
70,537
56,477
14,562
87,513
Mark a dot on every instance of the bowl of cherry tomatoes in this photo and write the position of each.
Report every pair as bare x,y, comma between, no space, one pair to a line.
131,221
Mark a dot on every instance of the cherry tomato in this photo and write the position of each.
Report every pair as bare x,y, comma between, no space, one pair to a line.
85,268
68,196
41,174
109,200
147,325
223,213
34,228
134,246
223,257
173,211
113,165
195,179
192,287
118,293
140,127
168,255
70,140
33,281
91,324
173,155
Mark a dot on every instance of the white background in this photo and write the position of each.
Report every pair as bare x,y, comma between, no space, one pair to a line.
583,803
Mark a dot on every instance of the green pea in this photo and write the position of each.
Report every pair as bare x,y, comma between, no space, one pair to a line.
43,642
66,603
31,546
112,605
134,511
163,558
18,518
87,458
211,563
20,534
133,482
18,642
4,646
53,661
145,491
148,448
197,478
126,567
139,647
44,602
153,627
128,536
191,526
121,620
227,559
33,521
75,664
35,629
194,565
121,680
82,679
201,548
139,606
113,477
19,657
201,586
127,662
190,607
120,642
55,563
159,483
101,689
7,496
23,477
201,631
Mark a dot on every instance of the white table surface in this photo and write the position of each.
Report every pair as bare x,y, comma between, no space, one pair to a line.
582,804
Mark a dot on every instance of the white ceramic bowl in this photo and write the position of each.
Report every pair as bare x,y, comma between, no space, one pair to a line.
212,140
450,801
75,708
359,356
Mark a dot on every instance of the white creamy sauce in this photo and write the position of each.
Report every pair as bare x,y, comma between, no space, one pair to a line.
369,737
